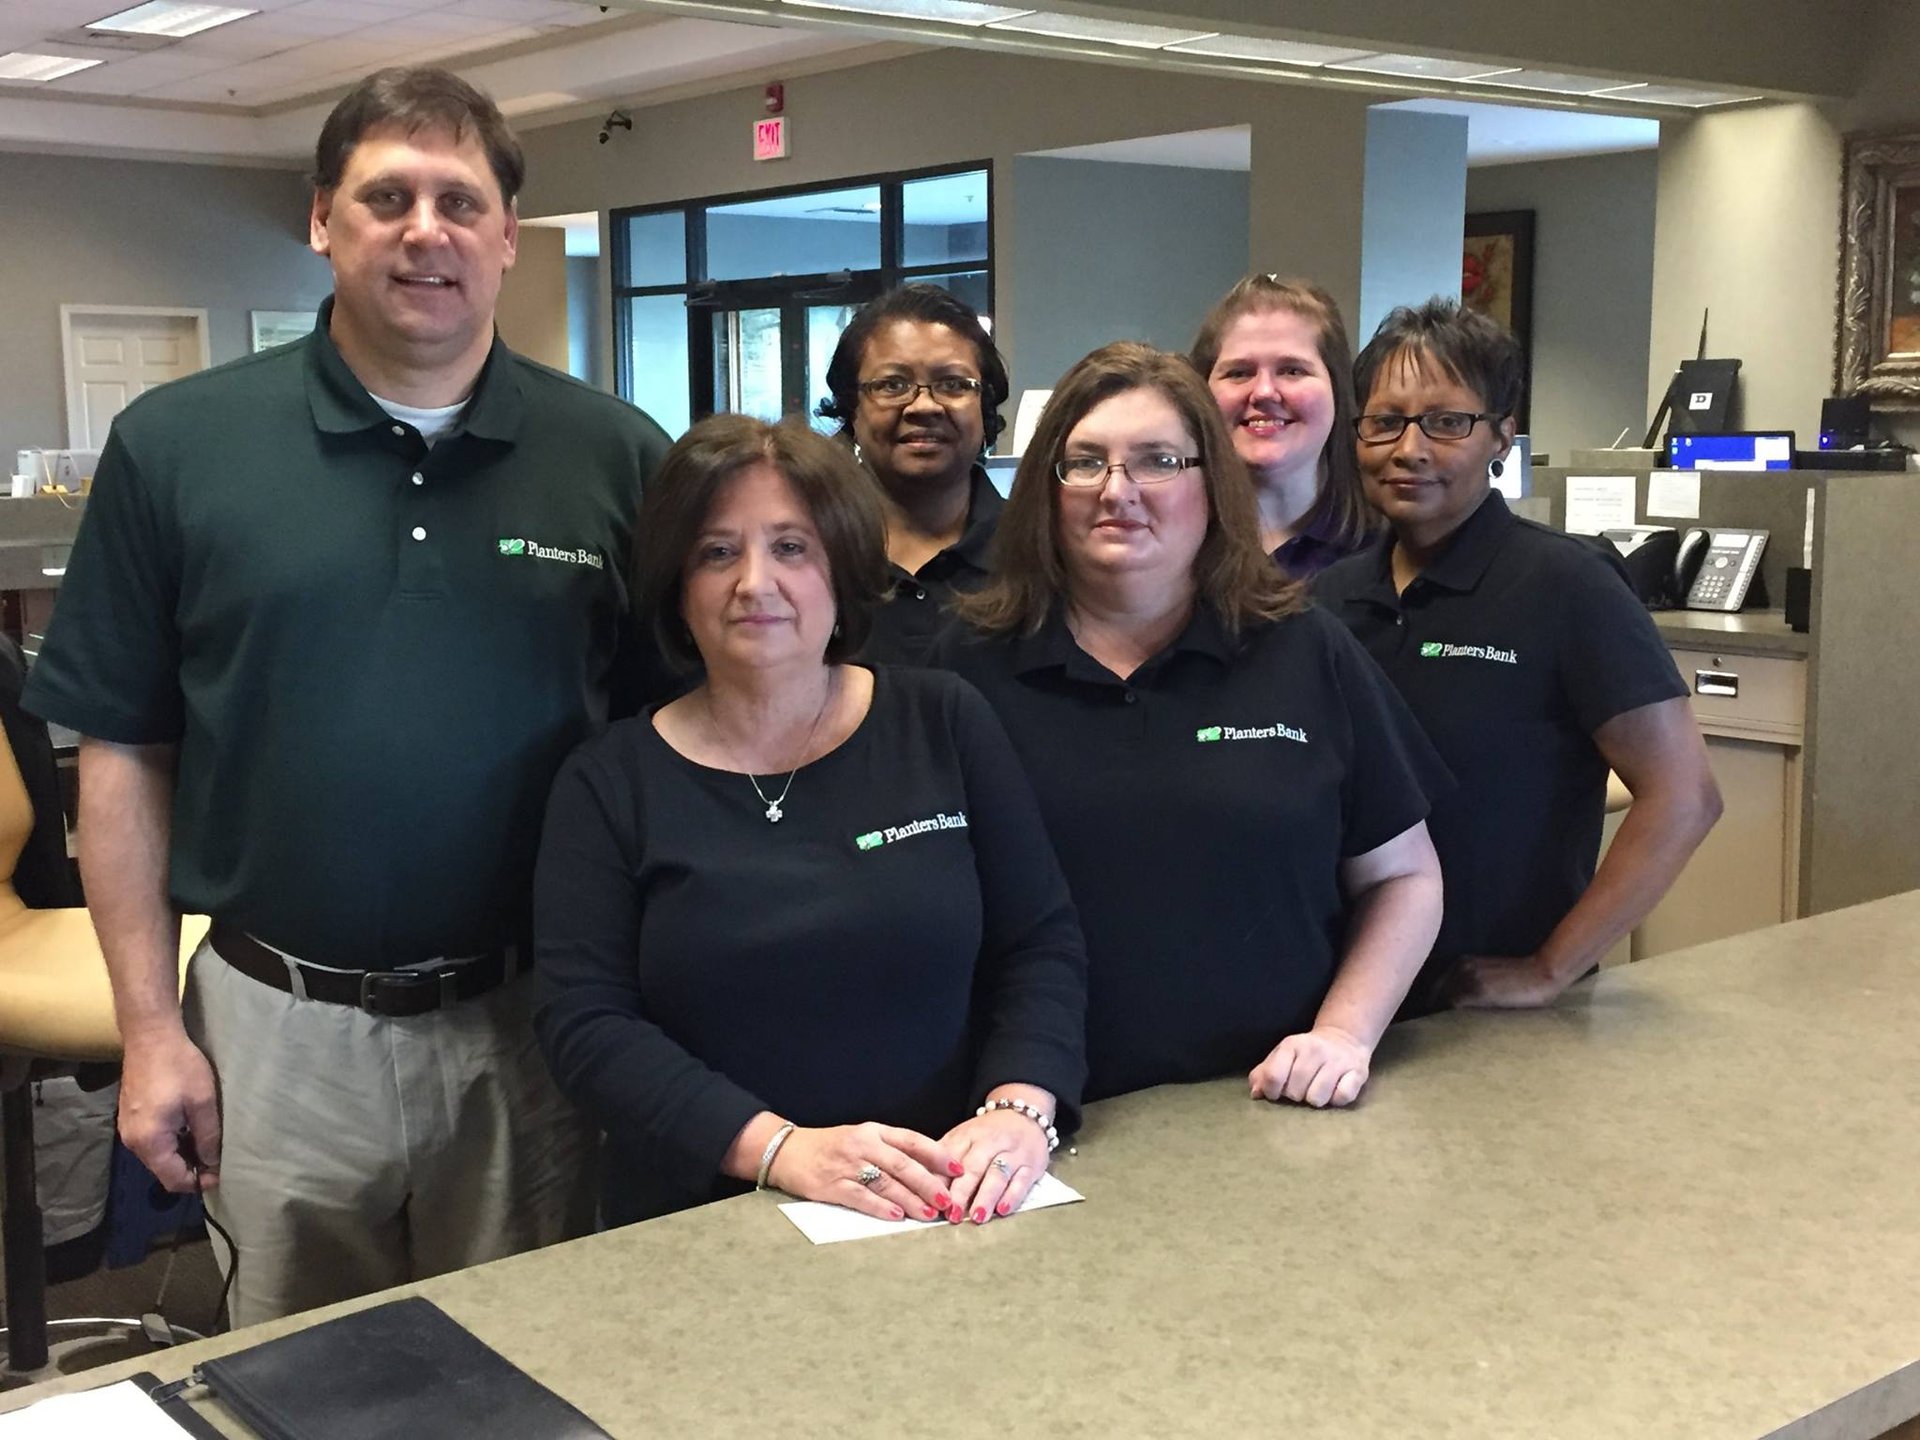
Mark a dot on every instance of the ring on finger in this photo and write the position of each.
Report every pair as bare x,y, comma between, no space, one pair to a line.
869,1174
1000,1164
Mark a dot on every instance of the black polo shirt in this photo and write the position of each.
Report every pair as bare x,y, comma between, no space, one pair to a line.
1512,647
1200,810
915,612
372,655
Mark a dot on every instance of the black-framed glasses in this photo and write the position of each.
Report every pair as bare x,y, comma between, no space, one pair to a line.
898,390
1151,467
1434,424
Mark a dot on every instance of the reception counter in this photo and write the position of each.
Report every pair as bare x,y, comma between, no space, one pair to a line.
1683,1203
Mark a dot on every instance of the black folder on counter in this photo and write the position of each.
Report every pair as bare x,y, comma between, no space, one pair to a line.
399,1371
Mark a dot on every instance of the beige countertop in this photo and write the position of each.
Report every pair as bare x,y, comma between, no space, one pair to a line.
1750,632
1681,1204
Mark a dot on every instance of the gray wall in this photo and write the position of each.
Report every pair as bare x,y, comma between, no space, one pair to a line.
116,232
1592,290
586,321
1415,212
1116,252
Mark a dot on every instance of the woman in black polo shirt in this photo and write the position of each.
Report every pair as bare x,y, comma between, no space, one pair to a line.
1531,665
1235,794
917,385
801,921
1275,355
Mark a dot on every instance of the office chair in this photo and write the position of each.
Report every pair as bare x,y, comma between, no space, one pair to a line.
56,1009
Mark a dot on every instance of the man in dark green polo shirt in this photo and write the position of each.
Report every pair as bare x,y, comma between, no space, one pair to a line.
336,614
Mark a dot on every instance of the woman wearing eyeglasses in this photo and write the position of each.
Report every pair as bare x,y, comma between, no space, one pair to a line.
917,385
1275,355
1531,665
1235,793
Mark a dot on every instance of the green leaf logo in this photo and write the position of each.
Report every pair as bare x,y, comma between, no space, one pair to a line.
1206,733
1429,649
868,841
513,547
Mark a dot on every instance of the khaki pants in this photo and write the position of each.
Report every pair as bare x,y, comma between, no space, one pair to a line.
360,1152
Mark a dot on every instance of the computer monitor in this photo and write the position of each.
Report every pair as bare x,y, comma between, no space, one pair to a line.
1739,450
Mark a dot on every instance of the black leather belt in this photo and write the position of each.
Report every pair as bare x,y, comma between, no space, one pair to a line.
392,993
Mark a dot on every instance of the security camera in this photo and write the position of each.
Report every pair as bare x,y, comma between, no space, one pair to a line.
618,120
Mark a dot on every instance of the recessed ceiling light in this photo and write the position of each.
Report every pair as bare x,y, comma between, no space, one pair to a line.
1281,52
1555,82
172,18
1671,95
951,12
1107,32
1425,67
24,65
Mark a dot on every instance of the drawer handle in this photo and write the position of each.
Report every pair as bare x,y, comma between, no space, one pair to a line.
1716,682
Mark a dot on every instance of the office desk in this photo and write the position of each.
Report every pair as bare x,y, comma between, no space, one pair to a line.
1682,1204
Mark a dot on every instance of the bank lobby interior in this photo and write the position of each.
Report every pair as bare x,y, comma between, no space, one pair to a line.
1680,1204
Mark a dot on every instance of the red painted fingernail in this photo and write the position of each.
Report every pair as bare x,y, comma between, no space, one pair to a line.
945,1202
1003,1208
955,1168
931,1212
980,1215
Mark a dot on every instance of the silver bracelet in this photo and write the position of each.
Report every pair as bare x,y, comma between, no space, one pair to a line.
766,1155
1033,1113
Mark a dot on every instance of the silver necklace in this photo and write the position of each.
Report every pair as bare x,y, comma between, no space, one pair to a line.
774,812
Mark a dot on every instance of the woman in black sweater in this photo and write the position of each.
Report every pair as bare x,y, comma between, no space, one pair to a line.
804,920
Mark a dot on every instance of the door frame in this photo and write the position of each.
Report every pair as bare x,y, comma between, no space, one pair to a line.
69,313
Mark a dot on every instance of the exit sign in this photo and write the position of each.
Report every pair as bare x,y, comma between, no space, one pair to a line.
770,138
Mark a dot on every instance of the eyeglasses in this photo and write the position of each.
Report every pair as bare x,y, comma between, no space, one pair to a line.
897,390
1151,468
1434,424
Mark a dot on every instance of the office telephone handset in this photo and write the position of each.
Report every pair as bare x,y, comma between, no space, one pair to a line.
1715,568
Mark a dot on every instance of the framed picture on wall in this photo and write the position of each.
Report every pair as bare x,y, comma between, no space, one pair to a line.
279,327
1877,339
1496,278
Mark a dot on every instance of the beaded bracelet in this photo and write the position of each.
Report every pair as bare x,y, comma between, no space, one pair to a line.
766,1155
1033,1113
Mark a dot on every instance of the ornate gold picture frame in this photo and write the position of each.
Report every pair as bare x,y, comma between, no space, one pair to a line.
1877,346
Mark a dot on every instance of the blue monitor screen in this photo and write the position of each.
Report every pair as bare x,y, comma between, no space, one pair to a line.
1770,450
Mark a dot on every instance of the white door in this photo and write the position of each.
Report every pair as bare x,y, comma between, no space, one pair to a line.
114,355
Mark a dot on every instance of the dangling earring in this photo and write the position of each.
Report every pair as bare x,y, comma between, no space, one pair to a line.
858,458
836,629
1496,469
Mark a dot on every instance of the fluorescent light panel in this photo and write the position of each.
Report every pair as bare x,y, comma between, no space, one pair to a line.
172,18
1555,82
1425,67
1107,32
25,65
1279,52
1671,95
949,12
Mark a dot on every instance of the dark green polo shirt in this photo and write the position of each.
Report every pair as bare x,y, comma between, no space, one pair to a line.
915,611
1512,647
372,655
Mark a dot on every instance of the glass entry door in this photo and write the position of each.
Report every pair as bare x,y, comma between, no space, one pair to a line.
771,343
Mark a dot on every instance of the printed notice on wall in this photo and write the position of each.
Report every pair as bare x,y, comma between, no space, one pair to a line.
1673,494
1598,502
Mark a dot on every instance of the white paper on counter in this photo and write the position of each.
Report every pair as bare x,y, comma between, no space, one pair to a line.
1673,494
122,1411
825,1224
1598,502
1806,541
1026,416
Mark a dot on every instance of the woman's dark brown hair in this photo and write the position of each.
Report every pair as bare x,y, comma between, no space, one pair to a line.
838,497
1340,512
1231,572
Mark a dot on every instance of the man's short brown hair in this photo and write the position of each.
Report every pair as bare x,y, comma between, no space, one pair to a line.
412,98
839,497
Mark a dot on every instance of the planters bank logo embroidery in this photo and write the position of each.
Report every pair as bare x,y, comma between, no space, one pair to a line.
538,551
1207,734
1441,650
874,839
